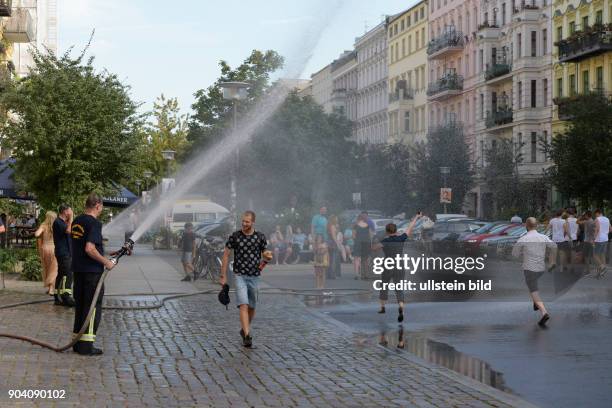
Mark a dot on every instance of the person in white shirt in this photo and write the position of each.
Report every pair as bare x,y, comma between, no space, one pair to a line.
532,247
560,236
516,219
602,229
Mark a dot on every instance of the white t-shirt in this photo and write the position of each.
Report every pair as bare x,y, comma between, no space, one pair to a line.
532,246
558,234
604,228
573,228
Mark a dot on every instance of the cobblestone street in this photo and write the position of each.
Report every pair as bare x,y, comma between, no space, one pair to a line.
188,353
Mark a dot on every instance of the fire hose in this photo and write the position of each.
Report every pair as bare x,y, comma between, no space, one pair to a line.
127,249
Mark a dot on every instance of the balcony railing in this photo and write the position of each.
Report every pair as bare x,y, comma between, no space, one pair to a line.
486,25
566,103
5,8
585,44
449,82
19,27
502,116
451,39
401,95
497,70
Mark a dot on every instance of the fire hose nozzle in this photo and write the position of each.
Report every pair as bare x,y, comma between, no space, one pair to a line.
126,249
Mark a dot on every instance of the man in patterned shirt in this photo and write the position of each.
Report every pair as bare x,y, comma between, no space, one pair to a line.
249,247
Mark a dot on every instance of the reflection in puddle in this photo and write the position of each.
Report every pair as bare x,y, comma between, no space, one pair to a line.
333,298
444,355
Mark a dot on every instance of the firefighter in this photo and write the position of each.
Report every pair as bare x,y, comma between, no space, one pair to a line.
88,263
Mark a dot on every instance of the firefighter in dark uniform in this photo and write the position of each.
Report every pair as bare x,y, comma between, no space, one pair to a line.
88,263
62,229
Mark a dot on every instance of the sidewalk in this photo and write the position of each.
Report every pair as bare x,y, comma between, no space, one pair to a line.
188,354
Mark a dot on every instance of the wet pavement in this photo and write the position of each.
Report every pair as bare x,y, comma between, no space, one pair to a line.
188,353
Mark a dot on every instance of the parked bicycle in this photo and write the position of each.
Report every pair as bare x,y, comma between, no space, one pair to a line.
207,262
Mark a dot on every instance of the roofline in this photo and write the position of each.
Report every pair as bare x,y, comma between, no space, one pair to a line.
401,13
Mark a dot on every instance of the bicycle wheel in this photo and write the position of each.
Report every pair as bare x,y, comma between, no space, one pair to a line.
214,269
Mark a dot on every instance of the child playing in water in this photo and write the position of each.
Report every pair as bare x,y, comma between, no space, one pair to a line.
321,261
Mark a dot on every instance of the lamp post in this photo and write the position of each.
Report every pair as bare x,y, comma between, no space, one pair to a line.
235,92
168,155
445,171
147,175
138,184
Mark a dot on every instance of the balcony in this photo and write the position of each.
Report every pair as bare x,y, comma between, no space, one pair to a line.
5,8
19,27
496,70
448,86
401,95
447,43
567,104
585,44
448,125
502,116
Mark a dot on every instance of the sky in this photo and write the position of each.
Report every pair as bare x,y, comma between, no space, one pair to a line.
174,47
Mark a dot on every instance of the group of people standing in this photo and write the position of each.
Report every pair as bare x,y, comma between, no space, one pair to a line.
332,245
582,240
54,247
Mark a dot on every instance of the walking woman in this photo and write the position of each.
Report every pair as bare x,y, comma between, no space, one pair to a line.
46,251
362,238
334,248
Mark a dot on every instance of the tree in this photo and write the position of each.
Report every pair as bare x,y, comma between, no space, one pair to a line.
582,155
212,113
445,147
168,131
501,177
72,130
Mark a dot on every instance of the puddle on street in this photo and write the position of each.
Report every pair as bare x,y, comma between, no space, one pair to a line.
444,355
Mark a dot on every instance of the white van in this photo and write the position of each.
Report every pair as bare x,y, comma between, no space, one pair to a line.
196,211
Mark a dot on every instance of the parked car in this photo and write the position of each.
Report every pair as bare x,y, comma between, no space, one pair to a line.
488,226
471,245
501,245
444,217
445,233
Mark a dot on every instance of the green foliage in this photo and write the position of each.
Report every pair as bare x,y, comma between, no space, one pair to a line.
582,155
168,131
8,260
76,130
212,114
445,147
32,269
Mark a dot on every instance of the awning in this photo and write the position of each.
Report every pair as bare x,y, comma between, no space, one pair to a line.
8,189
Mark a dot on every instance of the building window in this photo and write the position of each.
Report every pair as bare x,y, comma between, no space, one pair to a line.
534,43
559,33
585,22
409,44
416,41
545,91
545,138
520,95
519,145
572,85
559,87
544,41
422,37
533,93
572,27
406,121
408,21
482,153
403,47
599,78
402,25
599,17
481,106
585,81
480,60
519,44
534,147
503,14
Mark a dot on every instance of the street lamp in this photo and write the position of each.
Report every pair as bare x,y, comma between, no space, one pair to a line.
168,155
235,92
445,171
138,184
147,175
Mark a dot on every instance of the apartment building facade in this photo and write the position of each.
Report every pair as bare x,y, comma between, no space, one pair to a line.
344,85
371,124
321,86
513,89
407,57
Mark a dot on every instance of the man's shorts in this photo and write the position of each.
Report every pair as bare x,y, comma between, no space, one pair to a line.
247,290
600,248
187,257
531,279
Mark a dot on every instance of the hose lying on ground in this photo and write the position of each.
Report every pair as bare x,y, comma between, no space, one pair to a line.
157,305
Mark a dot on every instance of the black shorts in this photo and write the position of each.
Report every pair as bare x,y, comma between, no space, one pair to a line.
531,279
362,249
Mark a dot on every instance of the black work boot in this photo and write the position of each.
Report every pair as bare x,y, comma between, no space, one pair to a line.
67,300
